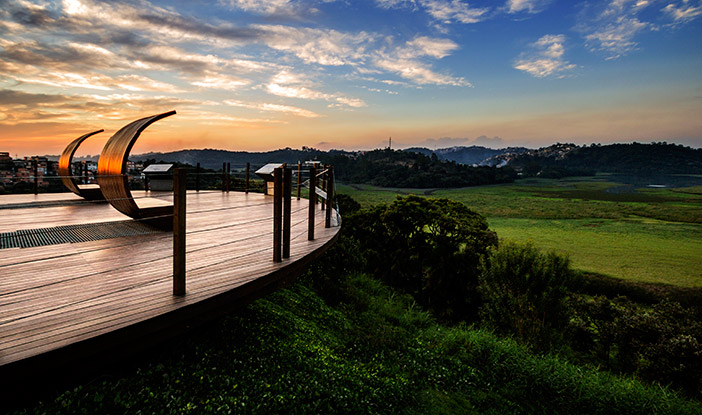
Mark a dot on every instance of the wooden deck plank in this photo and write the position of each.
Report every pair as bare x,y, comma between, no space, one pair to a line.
52,297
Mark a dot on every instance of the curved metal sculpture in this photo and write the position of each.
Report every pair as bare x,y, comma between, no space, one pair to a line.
112,171
90,192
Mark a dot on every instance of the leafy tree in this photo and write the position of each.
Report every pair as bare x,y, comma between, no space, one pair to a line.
428,247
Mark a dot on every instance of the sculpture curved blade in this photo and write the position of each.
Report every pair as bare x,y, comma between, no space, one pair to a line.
112,169
64,170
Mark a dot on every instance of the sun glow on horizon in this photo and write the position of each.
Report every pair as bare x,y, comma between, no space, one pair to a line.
327,74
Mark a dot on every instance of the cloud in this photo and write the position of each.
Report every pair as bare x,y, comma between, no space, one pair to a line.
261,6
152,19
448,11
443,142
683,12
528,6
219,81
617,38
545,57
444,11
391,4
492,142
14,98
21,107
359,51
612,26
426,46
274,108
405,61
288,85
326,47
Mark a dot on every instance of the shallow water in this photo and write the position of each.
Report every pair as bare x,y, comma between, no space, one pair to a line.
630,183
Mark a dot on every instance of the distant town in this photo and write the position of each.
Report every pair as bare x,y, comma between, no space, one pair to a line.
18,175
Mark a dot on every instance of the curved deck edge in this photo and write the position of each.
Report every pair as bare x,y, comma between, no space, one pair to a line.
25,380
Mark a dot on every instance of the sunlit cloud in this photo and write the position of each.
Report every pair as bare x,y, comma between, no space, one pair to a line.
614,26
545,57
617,38
219,81
23,107
286,84
405,61
262,6
214,118
323,47
274,108
277,8
443,11
448,11
684,12
528,6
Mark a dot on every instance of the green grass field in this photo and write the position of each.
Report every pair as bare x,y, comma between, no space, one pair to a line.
652,235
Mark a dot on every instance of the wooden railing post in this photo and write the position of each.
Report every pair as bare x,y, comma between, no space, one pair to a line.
224,174
246,186
299,179
277,213
229,177
36,176
330,196
179,200
313,193
197,177
323,186
287,210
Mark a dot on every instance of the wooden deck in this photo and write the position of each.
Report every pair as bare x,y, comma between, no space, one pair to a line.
63,302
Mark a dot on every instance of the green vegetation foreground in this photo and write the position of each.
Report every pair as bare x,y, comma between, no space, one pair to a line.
372,352
341,341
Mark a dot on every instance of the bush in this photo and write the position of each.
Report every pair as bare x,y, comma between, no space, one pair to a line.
662,343
524,294
346,204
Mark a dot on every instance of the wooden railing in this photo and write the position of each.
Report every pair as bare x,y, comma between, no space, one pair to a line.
282,211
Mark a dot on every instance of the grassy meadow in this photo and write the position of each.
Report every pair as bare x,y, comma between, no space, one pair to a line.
651,235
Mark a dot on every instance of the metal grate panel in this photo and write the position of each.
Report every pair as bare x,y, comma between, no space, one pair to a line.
28,238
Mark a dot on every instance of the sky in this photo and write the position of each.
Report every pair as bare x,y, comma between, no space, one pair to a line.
260,75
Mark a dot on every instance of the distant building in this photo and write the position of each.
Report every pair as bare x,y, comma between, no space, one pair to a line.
5,161
159,176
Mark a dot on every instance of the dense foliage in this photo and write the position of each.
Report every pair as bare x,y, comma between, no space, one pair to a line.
634,158
407,169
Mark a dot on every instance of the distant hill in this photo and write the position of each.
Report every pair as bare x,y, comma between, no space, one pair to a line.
391,168
552,161
634,158
467,155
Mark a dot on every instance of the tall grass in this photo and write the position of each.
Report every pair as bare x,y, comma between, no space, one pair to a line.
373,352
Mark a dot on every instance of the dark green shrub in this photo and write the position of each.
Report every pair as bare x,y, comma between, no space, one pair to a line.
430,248
662,343
346,204
524,293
